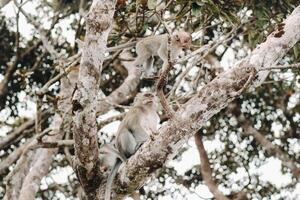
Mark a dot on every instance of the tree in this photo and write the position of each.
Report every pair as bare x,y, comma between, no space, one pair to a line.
71,85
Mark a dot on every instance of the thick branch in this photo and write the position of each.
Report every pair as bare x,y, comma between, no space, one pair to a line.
125,91
86,164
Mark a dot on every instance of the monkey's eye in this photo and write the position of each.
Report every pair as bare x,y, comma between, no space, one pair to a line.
148,95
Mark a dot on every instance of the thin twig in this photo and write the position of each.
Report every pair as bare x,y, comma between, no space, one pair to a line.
110,119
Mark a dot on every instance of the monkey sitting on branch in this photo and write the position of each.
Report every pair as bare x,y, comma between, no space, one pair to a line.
139,122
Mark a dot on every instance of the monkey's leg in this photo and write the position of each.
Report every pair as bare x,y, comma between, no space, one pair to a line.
142,54
148,66
128,143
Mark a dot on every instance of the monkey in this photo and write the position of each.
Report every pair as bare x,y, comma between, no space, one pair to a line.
157,46
139,122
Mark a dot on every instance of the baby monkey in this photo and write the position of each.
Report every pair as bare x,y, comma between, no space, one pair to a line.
139,122
157,46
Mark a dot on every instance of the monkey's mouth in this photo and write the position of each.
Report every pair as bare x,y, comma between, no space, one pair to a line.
148,102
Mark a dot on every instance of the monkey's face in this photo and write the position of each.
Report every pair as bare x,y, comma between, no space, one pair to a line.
182,39
147,99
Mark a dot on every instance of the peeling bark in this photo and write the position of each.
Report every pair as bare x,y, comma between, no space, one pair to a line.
210,100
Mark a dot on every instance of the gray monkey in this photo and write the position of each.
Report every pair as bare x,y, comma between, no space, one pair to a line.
139,122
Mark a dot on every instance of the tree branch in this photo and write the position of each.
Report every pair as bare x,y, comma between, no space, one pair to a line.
5,142
86,163
60,122
12,157
126,90
206,170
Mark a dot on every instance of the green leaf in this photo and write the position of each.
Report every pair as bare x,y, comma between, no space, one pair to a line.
196,9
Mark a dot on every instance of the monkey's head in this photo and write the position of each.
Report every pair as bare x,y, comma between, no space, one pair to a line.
182,39
146,99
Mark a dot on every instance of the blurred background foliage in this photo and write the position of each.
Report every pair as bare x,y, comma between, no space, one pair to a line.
273,108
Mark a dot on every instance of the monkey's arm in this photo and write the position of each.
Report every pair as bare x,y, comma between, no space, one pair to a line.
125,142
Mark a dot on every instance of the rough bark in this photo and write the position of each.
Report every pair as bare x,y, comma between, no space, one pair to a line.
210,100
86,164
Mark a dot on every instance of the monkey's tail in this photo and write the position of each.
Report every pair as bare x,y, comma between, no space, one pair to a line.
110,180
